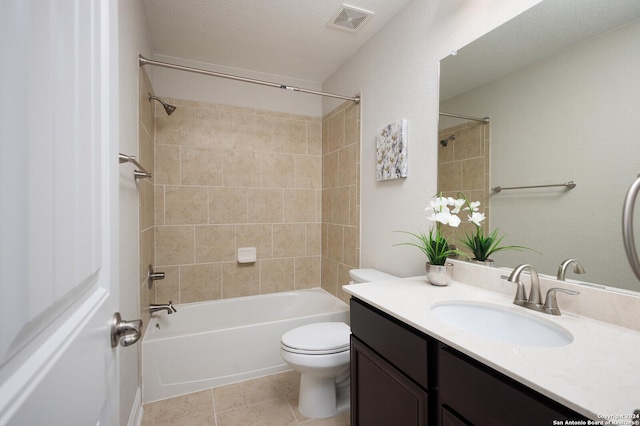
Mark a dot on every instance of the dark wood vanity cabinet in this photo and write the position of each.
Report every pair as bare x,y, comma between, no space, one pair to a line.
391,376
402,377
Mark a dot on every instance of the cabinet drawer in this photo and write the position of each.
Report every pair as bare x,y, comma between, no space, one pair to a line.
483,396
394,341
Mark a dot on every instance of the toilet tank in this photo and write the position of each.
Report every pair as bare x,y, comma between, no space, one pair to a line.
368,275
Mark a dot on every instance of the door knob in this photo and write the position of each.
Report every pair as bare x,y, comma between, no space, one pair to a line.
125,333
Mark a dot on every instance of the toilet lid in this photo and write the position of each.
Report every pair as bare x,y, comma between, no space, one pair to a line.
322,337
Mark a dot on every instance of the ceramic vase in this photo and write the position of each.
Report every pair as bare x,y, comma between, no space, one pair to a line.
439,275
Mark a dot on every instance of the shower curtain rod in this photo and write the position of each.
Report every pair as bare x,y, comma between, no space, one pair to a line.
447,114
144,61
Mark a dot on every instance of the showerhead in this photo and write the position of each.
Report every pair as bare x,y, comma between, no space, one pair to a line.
168,108
445,142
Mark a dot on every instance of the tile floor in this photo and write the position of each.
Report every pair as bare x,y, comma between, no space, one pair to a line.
266,401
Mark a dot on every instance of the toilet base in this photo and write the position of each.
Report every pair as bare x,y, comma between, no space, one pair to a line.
320,397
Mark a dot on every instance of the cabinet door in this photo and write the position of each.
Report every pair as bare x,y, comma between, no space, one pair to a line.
380,394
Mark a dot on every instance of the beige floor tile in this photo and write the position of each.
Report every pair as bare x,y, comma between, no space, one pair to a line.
193,409
343,419
272,413
246,393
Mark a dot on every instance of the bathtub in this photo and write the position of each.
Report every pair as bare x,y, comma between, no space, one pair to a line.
210,344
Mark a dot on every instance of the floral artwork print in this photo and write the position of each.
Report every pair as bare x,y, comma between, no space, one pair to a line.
392,151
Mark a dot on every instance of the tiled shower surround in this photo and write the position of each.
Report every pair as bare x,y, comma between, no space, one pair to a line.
228,177
463,166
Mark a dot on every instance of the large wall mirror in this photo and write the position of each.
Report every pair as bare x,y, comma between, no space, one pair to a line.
561,85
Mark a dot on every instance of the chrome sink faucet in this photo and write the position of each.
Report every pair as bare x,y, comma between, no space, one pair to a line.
562,270
163,307
534,301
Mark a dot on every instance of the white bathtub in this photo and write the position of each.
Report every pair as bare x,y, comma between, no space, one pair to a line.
210,344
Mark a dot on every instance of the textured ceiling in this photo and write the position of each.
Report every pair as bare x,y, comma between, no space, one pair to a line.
281,37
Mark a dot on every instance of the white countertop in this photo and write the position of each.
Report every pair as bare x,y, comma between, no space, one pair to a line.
597,375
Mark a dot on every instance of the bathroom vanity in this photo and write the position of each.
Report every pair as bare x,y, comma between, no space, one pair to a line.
402,376
410,368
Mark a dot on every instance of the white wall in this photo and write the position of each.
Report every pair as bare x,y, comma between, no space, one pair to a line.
197,87
133,38
397,75
572,116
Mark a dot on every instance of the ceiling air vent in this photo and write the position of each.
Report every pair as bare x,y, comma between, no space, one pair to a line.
349,18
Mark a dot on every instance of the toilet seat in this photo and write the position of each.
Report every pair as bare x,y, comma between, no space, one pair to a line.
317,339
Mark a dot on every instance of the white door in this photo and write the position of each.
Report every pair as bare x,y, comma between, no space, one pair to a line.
58,212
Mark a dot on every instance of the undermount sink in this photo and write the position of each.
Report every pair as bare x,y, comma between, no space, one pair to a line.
500,323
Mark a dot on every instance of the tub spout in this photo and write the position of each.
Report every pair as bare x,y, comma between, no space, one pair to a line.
162,307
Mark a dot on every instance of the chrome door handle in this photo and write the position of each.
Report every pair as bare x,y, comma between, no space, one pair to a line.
125,333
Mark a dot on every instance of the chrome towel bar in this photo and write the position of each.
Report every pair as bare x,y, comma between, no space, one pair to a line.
568,185
138,174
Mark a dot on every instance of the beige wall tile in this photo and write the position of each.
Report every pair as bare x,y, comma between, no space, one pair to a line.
200,282
351,125
335,126
341,205
327,205
167,289
254,133
330,170
146,149
174,245
228,205
308,172
265,205
241,168
276,275
167,165
314,137
278,170
351,246
307,272
330,275
215,129
259,236
468,143
215,243
178,128
354,208
335,242
147,252
450,176
201,166
158,201
300,205
473,173
314,240
343,279
290,136
289,240
146,205
240,279
184,205
347,165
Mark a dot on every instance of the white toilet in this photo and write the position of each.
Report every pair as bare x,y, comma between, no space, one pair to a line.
320,352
